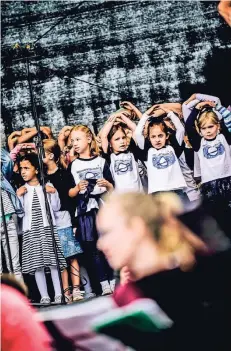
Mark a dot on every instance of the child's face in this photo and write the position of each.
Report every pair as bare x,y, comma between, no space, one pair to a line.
209,130
28,172
80,141
117,239
119,142
157,137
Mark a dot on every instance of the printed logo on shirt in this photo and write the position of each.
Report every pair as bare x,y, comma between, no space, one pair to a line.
162,161
90,173
123,166
213,151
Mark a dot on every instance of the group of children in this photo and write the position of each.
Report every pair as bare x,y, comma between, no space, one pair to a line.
177,148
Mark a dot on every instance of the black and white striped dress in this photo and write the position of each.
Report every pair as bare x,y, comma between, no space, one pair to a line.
37,248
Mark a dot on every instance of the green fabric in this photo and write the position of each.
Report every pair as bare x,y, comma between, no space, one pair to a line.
7,217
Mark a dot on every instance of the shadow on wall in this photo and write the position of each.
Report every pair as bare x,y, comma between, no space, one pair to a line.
216,71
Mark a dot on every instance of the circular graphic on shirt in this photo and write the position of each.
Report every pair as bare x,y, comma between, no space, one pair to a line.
213,150
123,166
163,160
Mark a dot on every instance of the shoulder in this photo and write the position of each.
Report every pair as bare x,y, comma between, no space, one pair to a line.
169,148
99,159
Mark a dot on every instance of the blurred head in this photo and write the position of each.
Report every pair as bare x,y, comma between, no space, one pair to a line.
157,133
117,138
83,140
52,151
29,167
142,218
208,124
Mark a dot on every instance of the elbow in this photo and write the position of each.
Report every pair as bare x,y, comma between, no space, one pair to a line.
71,193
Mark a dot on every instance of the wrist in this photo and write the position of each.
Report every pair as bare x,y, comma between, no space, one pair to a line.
109,186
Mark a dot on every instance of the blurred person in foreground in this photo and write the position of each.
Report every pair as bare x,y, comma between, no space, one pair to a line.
163,260
20,329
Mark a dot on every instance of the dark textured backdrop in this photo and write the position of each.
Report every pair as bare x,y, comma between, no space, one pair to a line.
145,51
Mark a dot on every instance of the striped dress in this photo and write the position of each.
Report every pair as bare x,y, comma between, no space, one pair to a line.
37,248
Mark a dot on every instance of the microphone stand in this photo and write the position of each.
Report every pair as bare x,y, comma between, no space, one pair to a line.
7,239
41,155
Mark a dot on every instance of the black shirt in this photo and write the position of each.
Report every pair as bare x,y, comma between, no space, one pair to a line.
63,183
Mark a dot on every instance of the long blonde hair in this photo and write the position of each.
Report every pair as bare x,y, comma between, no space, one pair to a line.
94,149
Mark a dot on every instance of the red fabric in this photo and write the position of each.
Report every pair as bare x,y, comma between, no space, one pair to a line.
126,294
20,330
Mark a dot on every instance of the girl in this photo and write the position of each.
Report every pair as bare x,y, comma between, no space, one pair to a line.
91,178
37,249
212,145
58,177
166,262
164,172
121,154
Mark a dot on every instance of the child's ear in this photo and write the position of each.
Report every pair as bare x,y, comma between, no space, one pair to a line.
89,140
36,172
51,156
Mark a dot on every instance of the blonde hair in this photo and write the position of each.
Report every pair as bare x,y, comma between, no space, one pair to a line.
156,212
205,117
51,146
94,149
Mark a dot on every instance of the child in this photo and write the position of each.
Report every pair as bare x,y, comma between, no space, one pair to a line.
37,249
121,154
164,172
12,207
211,141
91,178
58,177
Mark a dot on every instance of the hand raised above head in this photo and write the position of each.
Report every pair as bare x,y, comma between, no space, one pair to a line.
205,103
127,105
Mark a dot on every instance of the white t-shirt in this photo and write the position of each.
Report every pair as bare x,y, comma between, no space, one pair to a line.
215,159
125,172
62,219
164,172
84,169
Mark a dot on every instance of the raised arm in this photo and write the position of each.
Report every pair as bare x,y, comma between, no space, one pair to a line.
180,131
193,136
140,139
226,115
129,106
63,136
106,130
19,147
13,139
131,125
27,134
205,97
187,108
